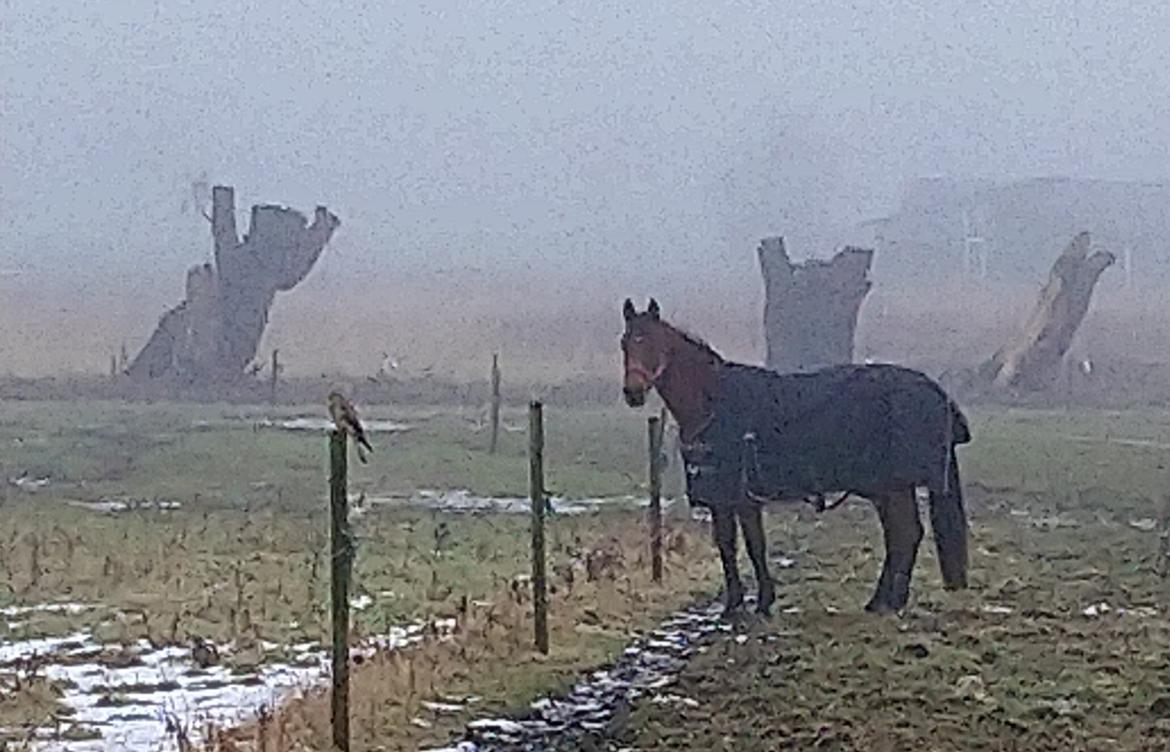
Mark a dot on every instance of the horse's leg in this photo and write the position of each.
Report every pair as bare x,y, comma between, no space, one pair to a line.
751,520
877,602
902,531
948,521
723,525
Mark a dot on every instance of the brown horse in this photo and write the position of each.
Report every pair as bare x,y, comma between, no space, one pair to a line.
751,435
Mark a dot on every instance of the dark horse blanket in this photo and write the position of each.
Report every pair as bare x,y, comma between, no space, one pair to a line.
864,429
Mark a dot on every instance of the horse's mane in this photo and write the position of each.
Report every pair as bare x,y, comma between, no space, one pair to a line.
696,341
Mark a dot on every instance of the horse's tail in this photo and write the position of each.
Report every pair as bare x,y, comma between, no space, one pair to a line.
960,430
948,520
948,517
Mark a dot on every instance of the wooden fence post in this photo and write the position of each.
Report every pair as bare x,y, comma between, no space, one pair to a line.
342,561
537,496
655,435
495,406
1162,564
274,376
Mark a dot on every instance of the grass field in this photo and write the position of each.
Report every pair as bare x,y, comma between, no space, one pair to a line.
1066,508
226,540
1061,643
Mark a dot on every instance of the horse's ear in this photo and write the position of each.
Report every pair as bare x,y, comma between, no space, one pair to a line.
653,309
628,309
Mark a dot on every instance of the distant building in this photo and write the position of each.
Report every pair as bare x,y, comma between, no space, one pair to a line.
948,228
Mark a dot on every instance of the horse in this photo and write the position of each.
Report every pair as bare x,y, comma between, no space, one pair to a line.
751,436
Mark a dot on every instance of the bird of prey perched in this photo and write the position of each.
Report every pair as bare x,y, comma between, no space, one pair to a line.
345,417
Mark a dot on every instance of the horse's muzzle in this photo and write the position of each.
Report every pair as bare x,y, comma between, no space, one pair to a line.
635,395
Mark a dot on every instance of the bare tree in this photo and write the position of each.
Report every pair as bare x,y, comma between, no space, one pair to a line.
1031,359
215,332
811,308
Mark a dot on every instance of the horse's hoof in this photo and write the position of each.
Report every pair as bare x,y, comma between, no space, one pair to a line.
765,599
733,604
889,605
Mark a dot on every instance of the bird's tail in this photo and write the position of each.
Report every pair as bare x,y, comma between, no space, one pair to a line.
364,448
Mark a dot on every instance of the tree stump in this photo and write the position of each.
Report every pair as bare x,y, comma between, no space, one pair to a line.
1030,361
214,333
811,308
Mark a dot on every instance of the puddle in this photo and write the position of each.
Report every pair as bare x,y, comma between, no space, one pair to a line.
18,616
324,424
303,423
113,506
25,483
48,608
1120,441
1044,521
644,671
1145,524
1100,609
465,501
129,706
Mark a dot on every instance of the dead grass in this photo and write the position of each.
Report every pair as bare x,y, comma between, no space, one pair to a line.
490,656
27,698
200,584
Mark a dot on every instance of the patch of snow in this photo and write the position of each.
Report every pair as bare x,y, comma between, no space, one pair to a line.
165,683
442,707
1097,609
689,702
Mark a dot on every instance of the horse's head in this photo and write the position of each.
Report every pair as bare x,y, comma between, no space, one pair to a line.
644,350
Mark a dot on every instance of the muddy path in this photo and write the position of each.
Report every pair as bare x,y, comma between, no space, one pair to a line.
594,712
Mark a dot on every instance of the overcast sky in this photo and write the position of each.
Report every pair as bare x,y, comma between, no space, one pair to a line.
540,132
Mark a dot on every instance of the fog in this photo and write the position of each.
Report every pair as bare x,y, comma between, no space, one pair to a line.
647,145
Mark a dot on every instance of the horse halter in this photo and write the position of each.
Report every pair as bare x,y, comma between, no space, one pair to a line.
651,377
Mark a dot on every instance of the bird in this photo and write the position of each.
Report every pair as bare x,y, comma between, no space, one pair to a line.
203,653
345,418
